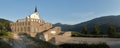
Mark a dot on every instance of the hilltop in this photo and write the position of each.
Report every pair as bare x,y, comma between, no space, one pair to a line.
103,23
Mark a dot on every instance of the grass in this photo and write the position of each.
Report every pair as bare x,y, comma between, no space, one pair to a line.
77,34
84,45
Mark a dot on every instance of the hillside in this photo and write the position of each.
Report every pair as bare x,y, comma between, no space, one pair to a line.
103,23
4,24
64,27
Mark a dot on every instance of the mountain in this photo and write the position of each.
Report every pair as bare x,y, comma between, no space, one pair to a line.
64,27
103,23
4,24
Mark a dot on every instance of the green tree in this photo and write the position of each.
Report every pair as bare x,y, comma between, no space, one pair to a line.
96,30
111,31
84,29
3,33
75,34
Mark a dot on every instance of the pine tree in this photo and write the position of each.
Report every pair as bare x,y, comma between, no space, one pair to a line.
96,30
84,29
111,31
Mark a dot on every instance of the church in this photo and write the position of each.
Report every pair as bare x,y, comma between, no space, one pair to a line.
37,27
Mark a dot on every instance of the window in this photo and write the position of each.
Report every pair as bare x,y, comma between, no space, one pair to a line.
21,29
28,23
28,29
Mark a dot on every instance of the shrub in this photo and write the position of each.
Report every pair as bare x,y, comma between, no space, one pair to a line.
85,45
4,44
43,44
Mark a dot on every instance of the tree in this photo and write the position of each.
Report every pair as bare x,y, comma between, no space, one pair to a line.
3,33
111,31
84,29
96,30
75,34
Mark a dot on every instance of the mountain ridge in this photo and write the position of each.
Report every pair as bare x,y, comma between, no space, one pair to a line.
103,22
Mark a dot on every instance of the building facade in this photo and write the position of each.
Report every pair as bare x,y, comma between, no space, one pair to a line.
35,26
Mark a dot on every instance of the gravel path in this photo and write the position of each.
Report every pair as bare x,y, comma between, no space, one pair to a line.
112,42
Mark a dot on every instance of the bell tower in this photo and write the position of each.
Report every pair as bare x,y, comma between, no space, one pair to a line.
35,9
34,15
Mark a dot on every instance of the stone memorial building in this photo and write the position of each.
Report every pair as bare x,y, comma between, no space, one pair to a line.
37,27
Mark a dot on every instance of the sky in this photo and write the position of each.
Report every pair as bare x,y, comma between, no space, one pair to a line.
59,11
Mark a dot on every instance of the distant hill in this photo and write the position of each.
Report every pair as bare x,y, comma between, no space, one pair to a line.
4,24
103,22
64,27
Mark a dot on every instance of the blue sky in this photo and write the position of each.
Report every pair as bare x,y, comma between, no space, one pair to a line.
63,11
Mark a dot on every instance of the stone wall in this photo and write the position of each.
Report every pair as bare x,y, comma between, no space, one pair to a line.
62,37
51,33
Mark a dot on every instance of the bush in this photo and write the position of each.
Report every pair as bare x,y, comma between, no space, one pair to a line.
84,45
75,34
3,33
78,34
4,44
43,44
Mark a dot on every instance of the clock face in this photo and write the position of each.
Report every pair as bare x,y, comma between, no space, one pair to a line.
53,32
